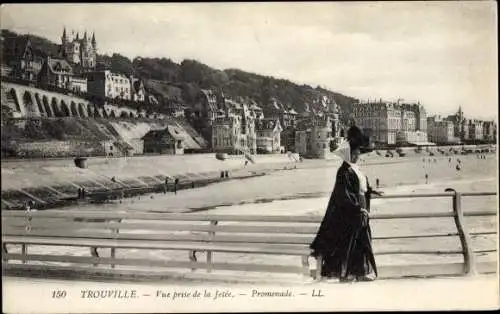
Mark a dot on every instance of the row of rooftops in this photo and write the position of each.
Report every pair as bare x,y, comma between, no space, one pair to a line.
392,105
239,102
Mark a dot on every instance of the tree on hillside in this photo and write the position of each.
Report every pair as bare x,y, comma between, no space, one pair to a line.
265,91
118,64
157,69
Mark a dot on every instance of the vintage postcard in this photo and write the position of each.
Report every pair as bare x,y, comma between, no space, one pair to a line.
249,157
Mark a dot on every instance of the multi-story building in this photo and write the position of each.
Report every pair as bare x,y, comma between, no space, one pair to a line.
313,137
78,84
411,137
475,130
137,90
105,84
419,114
392,123
460,125
56,73
209,105
268,135
380,120
288,139
24,61
302,145
212,110
82,52
234,134
440,131
490,131
408,121
233,130
277,110
175,109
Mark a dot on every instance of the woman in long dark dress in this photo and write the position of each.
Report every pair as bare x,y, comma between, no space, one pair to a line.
344,237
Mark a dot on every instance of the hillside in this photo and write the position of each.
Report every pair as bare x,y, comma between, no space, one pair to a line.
168,80
28,138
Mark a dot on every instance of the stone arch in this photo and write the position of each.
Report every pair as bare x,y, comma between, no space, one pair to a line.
65,109
55,108
81,110
39,104
97,113
74,110
28,103
90,111
112,114
124,115
13,95
48,110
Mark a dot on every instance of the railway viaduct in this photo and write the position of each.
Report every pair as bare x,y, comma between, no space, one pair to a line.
31,102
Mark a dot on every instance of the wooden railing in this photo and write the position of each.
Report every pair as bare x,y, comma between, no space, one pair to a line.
229,234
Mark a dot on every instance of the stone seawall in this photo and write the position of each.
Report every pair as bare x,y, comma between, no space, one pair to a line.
58,149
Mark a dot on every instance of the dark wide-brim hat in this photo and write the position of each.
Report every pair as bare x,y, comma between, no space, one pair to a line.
357,139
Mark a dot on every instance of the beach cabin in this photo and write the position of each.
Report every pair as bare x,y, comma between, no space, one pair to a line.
165,141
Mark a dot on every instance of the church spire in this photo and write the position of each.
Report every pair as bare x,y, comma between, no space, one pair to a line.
93,40
77,35
85,35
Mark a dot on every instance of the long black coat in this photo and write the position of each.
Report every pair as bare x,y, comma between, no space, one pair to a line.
344,236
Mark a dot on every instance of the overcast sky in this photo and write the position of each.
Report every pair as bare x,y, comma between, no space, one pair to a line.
441,54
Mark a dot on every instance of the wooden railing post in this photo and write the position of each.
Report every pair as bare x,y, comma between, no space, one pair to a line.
319,266
113,250
210,253
465,240
24,246
305,265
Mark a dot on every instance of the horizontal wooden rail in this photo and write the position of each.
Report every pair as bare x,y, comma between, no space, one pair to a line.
207,217
159,263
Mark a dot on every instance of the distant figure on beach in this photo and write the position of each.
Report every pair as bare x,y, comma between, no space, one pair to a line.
246,162
458,167
29,206
176,182
458,160
344,236
165,189
378,183
113,179
426,178
449,160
